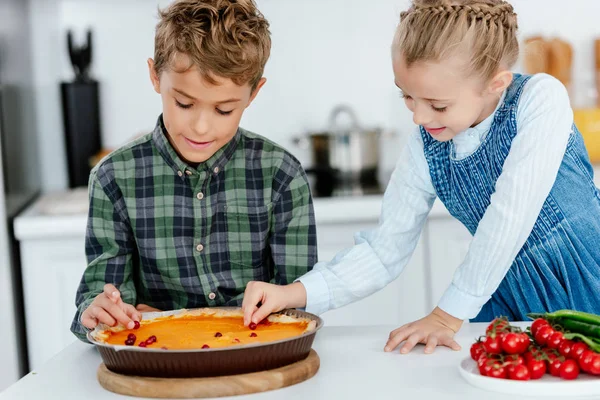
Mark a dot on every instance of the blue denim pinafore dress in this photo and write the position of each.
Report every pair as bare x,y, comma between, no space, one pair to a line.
559,264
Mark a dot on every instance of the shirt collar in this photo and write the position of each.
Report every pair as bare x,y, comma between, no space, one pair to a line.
480,130
214,164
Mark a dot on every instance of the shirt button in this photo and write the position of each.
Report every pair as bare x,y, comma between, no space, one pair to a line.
216,170
199,248
212,296
188,172
179,173
200,195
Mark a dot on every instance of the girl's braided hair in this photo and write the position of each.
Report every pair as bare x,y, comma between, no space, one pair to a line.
431,30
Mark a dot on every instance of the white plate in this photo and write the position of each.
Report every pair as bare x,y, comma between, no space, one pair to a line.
548,385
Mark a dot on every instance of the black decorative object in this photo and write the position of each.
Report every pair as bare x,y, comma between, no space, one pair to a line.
81,113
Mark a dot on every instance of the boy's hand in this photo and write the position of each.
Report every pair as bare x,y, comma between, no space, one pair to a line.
272,298
109,308
436,329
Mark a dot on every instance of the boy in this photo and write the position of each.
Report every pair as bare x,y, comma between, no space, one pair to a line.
186,216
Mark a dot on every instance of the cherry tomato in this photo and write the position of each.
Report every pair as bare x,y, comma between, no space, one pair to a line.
493,345
482,367
498,371
537,324
569,369
537,368
566,347
485,369
555,340
524,342
511,343
515,359
528,355
543,334
497,325
555,367
476,350
551,354
482,360
520,373
595,365
490,365
577,350
585,360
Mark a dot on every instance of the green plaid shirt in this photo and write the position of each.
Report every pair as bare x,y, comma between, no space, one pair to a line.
173,236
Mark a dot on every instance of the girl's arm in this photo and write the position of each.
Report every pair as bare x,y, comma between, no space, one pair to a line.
379,255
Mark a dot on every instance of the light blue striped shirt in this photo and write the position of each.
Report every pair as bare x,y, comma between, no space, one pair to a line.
544,120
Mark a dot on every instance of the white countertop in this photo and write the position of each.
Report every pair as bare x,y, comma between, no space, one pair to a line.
353,366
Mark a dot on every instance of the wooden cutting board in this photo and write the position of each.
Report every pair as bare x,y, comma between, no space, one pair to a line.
188,388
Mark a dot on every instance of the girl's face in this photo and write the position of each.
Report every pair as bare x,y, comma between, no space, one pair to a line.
443,99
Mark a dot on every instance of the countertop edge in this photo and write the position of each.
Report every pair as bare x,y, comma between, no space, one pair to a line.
32,223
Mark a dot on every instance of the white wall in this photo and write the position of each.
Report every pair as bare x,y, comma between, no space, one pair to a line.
47,52
324,52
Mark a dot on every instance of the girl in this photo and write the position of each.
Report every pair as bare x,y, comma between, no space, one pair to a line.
501,152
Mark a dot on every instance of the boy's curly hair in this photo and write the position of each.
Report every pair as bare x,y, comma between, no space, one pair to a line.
226,38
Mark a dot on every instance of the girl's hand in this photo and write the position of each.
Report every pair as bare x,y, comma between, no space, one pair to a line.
109,308
436,329
261,299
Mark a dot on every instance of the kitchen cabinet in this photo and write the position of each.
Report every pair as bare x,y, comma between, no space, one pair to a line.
402,301
51,235
52,268
447,245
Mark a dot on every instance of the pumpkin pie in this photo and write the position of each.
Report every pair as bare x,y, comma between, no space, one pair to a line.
204,328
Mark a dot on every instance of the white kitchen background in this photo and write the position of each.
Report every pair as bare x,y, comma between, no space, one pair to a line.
325,52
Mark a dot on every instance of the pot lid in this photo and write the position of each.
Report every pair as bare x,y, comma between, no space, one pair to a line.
338,128
351,125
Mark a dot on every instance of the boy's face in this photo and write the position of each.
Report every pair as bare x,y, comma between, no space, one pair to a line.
200,117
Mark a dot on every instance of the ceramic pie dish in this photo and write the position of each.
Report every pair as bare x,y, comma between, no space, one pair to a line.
205,342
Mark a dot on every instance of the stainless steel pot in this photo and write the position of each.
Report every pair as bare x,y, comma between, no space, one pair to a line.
345,156
349,150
